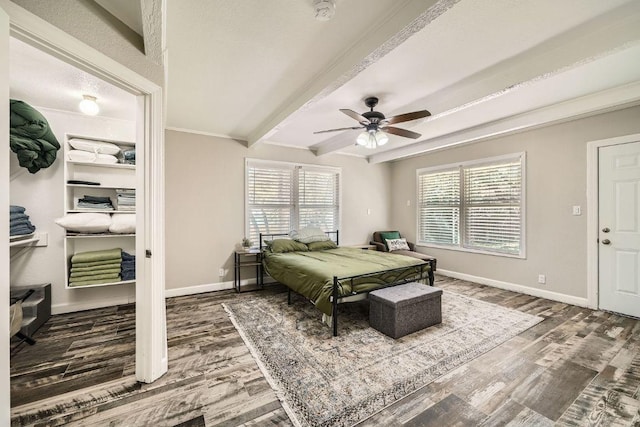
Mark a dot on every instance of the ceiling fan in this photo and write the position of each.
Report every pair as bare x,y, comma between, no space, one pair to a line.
376,124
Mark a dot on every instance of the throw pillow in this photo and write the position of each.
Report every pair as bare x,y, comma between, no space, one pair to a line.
287,245
123,224
308,235
322,246
386,235
89,222
397,244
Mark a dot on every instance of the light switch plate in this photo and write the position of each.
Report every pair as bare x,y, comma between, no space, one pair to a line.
577,210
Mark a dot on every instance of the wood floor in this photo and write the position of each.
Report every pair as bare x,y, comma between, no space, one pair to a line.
577,367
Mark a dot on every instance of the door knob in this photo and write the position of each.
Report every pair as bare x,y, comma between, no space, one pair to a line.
606,230
606,242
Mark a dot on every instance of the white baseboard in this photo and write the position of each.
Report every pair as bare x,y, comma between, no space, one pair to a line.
541,293
198,289
81,306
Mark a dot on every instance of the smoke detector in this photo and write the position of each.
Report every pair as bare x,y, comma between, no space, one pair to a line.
324,9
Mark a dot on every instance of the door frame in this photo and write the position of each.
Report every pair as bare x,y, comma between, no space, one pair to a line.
151,343
593,258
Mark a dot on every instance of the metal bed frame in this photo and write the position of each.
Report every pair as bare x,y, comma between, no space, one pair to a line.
336,299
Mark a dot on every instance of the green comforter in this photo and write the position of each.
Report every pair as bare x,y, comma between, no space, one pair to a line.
30,137
311,273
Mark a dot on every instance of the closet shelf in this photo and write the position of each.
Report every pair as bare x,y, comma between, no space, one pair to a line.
36,239
98,235
103,165
100,211
123,282
107,187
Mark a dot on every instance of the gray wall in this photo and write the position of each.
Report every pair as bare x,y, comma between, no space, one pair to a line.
556,180
205,202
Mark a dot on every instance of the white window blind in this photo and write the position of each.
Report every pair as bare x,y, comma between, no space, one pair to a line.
283,196
475,206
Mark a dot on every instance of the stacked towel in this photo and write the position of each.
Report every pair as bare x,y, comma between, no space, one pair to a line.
19,223
95,203
126,199
128,266
96,267
129,156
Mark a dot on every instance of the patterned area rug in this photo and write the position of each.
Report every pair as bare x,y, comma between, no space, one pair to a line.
326,381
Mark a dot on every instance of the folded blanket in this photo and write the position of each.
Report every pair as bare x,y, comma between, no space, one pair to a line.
98,267
94,264
21,229
128,257
129,275
17,215
111,276
94,256
16,209
86,275
18,222
30,137
95,282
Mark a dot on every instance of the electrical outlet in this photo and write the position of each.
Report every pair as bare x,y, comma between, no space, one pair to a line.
542,279
577,210
221,272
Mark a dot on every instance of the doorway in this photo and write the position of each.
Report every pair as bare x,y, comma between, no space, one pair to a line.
151,353
614,224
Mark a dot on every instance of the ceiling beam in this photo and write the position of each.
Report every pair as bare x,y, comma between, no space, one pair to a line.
375,44
601,102
602,36
153,26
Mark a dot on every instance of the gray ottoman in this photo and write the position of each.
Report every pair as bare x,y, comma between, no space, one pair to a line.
401,310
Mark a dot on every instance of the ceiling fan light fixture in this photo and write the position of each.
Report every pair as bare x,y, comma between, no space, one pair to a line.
381,138
371,139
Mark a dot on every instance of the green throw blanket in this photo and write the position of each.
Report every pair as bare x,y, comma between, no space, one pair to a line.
30,137
96,257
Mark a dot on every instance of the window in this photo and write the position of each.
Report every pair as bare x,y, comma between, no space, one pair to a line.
283,196
475,206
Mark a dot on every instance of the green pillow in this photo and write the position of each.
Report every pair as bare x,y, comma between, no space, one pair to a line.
287,245
321,246
389,235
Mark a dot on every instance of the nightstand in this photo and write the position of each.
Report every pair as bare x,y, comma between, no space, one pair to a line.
247,258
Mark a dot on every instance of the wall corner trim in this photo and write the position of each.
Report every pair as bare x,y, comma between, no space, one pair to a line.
540,293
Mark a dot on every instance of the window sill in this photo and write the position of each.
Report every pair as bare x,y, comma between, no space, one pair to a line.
473,251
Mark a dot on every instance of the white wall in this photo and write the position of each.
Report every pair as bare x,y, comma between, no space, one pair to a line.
556,180
205,202
42,195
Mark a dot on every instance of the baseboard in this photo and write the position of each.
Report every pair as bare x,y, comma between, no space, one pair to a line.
540,293
198,289
81,306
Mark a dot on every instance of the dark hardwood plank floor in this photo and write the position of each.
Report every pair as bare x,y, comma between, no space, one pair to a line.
577,367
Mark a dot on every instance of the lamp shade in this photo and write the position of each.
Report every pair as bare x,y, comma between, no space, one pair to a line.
89,106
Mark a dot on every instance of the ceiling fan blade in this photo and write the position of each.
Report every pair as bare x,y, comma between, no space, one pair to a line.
354,115
407,117
401,132
336,130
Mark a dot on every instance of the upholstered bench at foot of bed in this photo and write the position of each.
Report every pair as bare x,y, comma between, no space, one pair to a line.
401,310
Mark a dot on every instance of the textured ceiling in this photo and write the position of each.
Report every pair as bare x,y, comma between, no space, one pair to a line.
44,81
269,73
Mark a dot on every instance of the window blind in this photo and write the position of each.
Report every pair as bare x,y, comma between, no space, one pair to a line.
476,206
283,196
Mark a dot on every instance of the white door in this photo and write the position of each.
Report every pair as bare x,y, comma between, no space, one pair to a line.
4,218
619,228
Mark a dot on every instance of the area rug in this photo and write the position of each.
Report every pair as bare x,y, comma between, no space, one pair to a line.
338,381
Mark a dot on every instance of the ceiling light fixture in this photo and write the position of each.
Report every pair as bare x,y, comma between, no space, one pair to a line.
89,106
372,138
324,9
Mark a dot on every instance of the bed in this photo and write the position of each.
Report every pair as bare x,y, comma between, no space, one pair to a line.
329,275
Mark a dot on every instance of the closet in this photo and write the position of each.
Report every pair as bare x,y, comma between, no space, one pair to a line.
53,195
